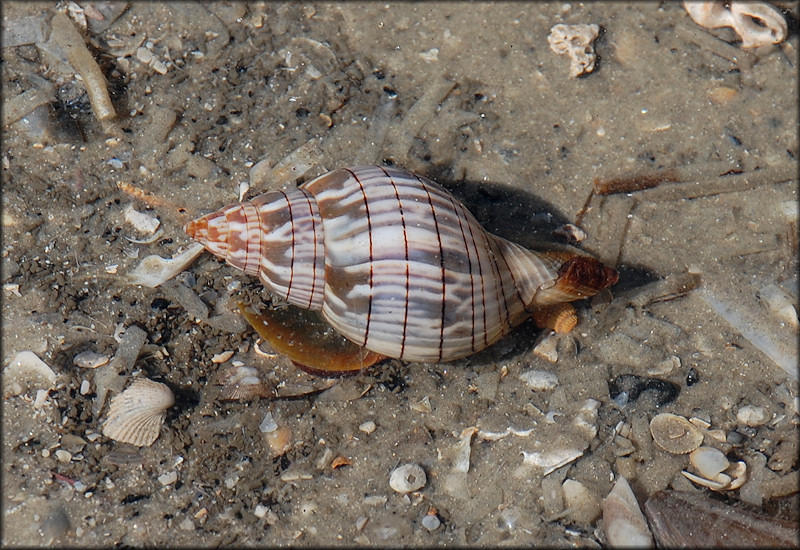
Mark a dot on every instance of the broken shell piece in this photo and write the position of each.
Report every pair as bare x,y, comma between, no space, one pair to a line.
780,304
279,440
551,461
571,232
143,223
583,505
623,521
546,347
407,478
675,434
242,382
155,270
709,461
461,450
576,41
135,416
340,461
368,427
90,359
268,424
756,23
222,357
715,471
27,371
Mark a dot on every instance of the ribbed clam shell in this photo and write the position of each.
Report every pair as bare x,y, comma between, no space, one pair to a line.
394,262
135,416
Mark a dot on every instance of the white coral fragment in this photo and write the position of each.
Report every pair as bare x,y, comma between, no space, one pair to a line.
577,42
756,23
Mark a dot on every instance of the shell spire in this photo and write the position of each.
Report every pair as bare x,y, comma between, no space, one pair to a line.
276,237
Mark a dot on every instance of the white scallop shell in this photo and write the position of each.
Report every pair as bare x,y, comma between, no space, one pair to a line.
135,416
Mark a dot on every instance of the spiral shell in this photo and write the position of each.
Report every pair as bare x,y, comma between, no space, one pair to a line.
394,262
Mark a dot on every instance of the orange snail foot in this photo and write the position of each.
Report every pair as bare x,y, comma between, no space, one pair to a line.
309,342
561,318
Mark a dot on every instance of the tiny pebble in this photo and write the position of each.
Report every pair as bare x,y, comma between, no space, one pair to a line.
752,416
187,524
407,478
361,522
222,357
260,511
431,522
368,427
63,456
539,380
41,398
86,387
546,347
168,478
230,482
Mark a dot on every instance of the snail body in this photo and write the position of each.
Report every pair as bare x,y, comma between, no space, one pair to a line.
394,262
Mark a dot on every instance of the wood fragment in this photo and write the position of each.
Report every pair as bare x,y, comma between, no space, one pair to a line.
723,183
634,182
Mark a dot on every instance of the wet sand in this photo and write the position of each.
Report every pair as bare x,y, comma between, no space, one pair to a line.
469,95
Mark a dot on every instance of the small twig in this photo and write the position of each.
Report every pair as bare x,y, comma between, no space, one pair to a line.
691,189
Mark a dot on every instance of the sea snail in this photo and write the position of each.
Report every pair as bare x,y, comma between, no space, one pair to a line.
394,262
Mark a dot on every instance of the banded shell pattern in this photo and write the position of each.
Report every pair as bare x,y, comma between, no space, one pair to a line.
394,262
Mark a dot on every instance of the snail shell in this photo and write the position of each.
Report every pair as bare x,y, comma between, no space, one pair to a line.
394,262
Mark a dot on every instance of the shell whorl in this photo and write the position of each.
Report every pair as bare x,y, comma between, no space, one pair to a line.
393,261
